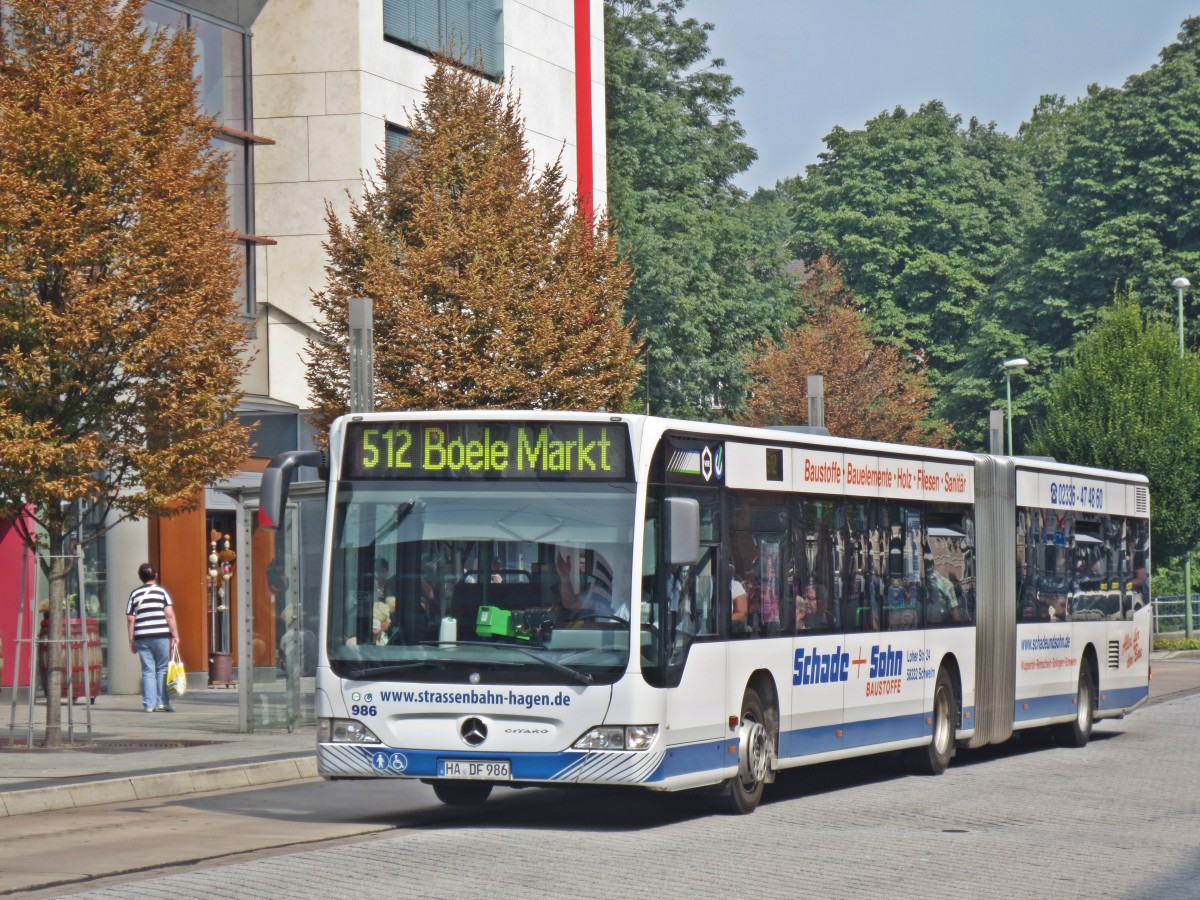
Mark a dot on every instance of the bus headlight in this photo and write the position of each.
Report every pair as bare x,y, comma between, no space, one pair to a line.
618,737
344,731
640,737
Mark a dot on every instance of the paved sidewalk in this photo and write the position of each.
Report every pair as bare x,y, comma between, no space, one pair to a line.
136,755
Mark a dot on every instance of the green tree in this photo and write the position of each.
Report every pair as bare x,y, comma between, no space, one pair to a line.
923,214
1121,194
488,289
1129,402
708,264
120,344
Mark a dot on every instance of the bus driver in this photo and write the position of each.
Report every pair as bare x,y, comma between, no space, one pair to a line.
595,593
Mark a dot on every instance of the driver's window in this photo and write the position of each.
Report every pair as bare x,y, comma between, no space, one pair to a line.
678,602
691,604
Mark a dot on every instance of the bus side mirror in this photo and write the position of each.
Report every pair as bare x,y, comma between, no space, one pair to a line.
273,493
682,538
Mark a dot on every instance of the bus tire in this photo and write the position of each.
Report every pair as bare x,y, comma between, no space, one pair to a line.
744,790
462,793
934,757
1078,731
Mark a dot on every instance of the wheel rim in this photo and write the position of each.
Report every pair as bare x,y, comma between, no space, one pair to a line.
941,721
754,755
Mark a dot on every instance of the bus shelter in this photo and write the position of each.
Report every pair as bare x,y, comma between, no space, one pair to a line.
274,637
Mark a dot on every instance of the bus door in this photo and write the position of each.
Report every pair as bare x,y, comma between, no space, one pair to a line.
680,651
695,709
882,705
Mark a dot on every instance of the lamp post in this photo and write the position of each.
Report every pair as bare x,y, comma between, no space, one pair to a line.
1010,366
1181,284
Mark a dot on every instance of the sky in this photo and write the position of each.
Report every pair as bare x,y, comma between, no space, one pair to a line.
808,65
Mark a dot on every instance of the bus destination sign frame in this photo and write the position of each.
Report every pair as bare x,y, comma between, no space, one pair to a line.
489,450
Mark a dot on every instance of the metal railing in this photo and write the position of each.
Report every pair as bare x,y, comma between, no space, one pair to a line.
1169,613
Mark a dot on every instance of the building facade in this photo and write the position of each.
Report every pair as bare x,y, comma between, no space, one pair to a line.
309,93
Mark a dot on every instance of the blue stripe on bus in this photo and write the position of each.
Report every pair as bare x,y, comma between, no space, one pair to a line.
881,731
806,741
810,741
691,758
1123,698
687,759
1064,704
620,767
357,759
1043,707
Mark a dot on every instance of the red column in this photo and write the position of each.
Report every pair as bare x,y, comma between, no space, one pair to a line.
583,105
14,556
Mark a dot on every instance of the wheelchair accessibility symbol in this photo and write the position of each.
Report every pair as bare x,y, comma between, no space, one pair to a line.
389,762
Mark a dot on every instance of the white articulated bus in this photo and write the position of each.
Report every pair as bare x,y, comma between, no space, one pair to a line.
555,598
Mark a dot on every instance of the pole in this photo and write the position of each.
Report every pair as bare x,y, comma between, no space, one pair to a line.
816,400
647,377
1180,289
1180,284
1187,595
361,313
996,432
1008,393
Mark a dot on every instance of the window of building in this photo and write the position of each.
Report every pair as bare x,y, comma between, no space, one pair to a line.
395,138
472,29
223,69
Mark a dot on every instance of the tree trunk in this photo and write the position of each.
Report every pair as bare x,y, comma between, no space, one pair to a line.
57,568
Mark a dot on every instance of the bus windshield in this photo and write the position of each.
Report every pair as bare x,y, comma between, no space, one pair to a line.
481,581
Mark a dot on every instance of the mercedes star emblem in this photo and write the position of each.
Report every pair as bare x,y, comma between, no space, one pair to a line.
473,731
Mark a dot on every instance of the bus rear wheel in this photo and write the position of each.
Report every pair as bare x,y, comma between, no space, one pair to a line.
744,790
1078,731
462,793
934,757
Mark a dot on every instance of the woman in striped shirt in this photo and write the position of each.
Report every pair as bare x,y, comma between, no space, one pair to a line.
152,635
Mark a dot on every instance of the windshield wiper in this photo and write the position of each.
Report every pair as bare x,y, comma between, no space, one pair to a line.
401,513
389,668
581,677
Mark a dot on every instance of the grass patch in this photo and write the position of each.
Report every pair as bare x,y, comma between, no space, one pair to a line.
1177,643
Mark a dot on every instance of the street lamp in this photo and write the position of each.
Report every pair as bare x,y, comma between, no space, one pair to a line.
1181,284
1010,366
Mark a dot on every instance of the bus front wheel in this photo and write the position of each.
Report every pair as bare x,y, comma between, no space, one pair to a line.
743,791
1078,731
462,793
934,757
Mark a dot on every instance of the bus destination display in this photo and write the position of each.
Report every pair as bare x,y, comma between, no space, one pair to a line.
486,450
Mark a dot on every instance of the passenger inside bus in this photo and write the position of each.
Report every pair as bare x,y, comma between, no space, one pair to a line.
1056,606
739,602
814,615
594,596
1140,586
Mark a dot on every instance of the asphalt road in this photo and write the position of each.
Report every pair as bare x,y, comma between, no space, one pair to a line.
1119,818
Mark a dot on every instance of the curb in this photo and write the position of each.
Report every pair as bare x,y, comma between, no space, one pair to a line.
146,787
1175,654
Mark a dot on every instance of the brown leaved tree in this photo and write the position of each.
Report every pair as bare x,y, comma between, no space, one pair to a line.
871,391
489,290
120,345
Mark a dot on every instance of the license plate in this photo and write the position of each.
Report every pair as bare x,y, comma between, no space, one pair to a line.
480,769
